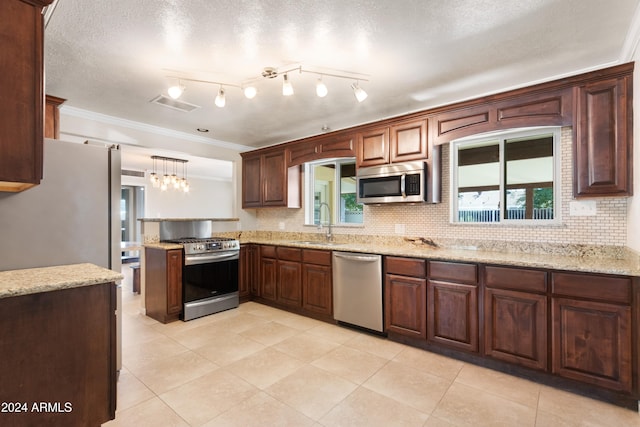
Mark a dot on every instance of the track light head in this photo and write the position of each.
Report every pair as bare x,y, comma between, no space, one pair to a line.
176,91
359,93
321,88
250,92
287,89
220,98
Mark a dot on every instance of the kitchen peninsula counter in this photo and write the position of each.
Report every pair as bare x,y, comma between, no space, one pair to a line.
44,279
581,258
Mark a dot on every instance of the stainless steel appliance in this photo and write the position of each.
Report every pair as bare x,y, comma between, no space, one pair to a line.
357,289
209,275
399,182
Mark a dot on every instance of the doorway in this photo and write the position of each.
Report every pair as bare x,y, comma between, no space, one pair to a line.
131,208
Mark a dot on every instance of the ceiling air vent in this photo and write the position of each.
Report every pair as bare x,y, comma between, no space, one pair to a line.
165,101
126,172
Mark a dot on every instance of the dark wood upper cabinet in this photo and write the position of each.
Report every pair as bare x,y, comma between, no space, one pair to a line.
603,138
52,116
267,182
409,141
21,93
324,147
373,147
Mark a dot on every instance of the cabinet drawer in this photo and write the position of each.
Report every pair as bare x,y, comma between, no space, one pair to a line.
516,279
313,256
267,251
591,286
289,254
453,271
406,266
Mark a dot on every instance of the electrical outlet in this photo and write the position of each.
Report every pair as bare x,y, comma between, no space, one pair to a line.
583,208
400,229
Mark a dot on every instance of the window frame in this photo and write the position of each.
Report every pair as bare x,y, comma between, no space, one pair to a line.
501,137
309,186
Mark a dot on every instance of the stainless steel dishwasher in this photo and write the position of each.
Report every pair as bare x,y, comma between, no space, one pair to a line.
357,289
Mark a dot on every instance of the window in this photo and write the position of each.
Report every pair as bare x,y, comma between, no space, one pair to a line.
331,192
508,177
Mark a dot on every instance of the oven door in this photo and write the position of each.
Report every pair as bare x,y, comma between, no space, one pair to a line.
209,283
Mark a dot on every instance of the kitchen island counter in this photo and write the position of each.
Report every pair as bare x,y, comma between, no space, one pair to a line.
44,279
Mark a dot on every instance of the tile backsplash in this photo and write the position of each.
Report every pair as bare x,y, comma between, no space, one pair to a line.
608,227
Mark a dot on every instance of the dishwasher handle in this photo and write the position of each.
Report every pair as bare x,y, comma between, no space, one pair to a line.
360,258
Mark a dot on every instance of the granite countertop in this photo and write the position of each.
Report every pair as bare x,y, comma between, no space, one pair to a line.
188,219
628,265
162,245
44,279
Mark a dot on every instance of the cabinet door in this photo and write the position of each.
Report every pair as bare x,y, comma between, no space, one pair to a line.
592,343
174,281
244,275
516,327
268,278
453,314
251,182
409,141
405,305
274,179
317,289
373,147
603,139
21,86
290,283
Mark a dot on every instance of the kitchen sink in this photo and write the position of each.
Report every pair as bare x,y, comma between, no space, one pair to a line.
316,242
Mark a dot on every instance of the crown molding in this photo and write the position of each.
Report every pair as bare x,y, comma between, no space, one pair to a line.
143,127
633,38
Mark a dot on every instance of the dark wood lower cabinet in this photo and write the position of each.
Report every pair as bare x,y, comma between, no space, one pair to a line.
58,349
317,282
290,283
452,315
268,278
406,305
516,327
163,284
592,342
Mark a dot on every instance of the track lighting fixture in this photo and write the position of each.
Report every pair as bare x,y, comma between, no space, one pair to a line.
321,88
220,99
178,183
287,88
250,91
359,93
176,91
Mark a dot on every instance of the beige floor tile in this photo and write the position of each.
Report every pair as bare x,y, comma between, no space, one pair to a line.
240,322
376,345
261,410
585,411
171,372
311,391
136,355
334,333
270,333
204,398
545,419
135,331
437,422
177,328
409,386
306,347
200,335
367,408
299,322
468,406
264,367
152,413
131,391
427,361
507,386
352,364
227,348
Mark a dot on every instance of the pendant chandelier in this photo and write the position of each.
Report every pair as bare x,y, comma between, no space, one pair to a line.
250,90
170,177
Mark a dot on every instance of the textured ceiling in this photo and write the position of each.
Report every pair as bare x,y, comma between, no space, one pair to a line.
112,57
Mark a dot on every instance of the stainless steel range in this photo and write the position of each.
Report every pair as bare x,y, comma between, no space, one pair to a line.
209,275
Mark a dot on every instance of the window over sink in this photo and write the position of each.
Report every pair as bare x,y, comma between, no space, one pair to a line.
330,193
508,177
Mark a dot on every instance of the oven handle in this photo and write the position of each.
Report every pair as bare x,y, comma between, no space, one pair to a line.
209,258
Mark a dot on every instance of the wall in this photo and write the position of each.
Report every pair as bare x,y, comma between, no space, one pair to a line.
204,200
608,227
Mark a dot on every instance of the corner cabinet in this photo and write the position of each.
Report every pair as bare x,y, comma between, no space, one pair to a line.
163,284
267,182
21,94
603,138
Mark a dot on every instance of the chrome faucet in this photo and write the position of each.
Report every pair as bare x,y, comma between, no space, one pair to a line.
329,234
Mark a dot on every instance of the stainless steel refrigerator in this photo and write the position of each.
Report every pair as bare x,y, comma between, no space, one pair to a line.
72,217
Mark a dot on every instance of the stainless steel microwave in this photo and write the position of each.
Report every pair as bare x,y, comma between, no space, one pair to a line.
408,182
